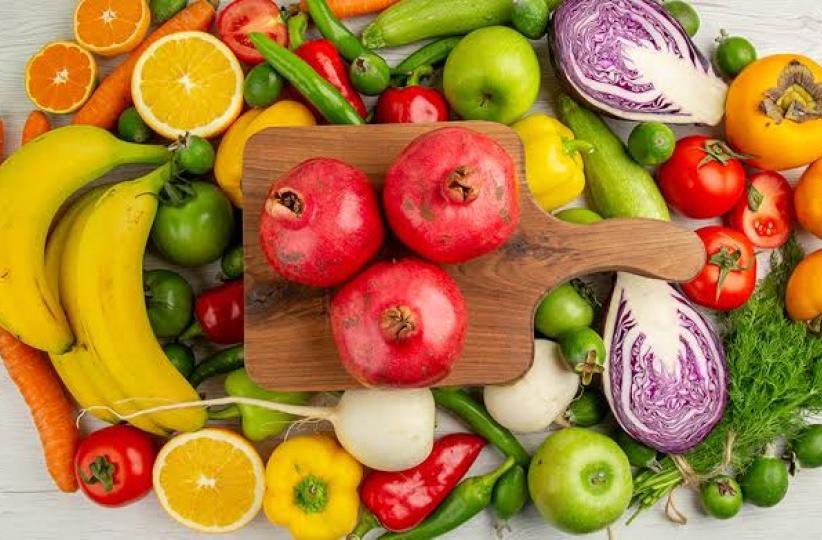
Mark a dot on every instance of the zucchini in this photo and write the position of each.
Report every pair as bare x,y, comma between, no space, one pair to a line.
413,20
616,185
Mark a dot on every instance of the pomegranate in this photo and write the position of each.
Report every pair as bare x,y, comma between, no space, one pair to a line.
399,324
321,223
452,195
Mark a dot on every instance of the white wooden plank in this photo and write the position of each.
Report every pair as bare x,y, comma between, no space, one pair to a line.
31,508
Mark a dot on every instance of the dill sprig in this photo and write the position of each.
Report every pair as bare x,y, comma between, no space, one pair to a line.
775,377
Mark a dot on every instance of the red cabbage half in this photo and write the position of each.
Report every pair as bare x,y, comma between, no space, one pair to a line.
631,59
665,377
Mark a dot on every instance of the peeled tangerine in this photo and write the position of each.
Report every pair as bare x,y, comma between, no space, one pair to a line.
321,223
451,195
399,324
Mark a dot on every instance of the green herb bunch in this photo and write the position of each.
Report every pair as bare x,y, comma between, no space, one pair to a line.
774,377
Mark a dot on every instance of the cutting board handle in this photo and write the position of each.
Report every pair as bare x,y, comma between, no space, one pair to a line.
559,251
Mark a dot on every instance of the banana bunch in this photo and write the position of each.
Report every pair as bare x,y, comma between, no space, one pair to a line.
94,265
34,183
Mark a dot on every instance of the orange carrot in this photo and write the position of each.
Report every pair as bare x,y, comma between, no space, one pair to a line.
354,8
49,405
36,124
113,96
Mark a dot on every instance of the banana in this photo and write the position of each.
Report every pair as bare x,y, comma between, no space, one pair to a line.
102,288
72,366
87,376
34,182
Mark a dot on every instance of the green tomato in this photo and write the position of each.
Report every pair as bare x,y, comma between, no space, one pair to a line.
563,309
530,17
733,54
169,302
580,480
262,86
580,216
638,454
651,143
195,230
584,351
765,483
181,357
369,74
808,447
132,128
721,497
163,10
685,15
232,262
195,155
589,409
510,493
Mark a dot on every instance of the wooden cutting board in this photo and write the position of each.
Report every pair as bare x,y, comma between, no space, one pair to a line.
288,338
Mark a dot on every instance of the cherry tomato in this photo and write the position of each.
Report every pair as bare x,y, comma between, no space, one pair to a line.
728,278
765,216
113,465
703,179
241,17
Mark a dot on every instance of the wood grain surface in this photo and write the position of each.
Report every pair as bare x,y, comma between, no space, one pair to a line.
289,345
32,509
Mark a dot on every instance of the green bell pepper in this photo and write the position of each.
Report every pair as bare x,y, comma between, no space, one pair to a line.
258,424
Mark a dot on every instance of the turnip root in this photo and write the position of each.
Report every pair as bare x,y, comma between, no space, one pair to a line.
531,403
385,430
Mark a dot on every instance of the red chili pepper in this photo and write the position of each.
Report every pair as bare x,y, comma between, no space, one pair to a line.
412,103
324,58
402,500
219,315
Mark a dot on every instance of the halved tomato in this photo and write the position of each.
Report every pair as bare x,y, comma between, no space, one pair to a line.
765,216
241,17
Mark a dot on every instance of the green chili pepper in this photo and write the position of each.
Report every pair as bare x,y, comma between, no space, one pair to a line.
321,93
474,414
510,493
225,361
467,500
429,55
181,357
258,424
334,31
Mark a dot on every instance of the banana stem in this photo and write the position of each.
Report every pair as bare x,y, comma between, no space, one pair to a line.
148,154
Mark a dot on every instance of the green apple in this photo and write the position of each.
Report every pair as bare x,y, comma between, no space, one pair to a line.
492,74
580,480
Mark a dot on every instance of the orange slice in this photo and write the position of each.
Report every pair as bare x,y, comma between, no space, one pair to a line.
188,82
60,78
111,27
211,480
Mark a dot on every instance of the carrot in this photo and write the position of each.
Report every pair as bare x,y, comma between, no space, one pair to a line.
36,124
113,96
354,8
49,405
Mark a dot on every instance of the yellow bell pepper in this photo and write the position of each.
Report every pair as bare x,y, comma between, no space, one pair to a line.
553,165
228,166
773,112
803,297
311,488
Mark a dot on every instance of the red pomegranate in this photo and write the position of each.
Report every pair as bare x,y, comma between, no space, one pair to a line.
452,195
321,223
399,324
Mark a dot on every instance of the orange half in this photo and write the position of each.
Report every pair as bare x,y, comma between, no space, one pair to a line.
60,78
111,27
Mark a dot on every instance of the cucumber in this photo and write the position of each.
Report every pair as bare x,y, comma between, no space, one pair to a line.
616,185
530,17
413,20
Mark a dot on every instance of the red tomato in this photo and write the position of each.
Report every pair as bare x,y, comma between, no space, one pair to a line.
765,216
728,278
703,179
114,465
241,17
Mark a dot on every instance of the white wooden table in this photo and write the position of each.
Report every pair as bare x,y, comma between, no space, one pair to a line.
31,507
